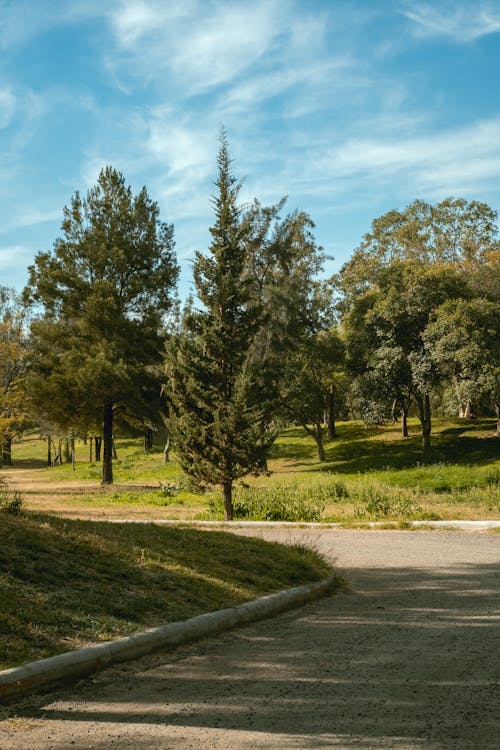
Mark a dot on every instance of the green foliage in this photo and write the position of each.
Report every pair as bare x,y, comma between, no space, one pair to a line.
224,364
104,290
273,504
11,501
375,501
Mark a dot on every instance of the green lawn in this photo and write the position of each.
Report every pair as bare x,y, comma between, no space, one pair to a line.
66,583
369,474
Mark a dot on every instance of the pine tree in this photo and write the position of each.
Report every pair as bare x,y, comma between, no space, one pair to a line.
104,291
210,379
225,366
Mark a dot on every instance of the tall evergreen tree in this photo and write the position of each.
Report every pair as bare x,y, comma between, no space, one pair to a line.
208,373
103,291
223,367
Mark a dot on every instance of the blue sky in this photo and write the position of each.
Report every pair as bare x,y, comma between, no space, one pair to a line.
349,108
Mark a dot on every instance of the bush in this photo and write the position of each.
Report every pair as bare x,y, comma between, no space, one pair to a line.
11,501
168,489
272,504
375,501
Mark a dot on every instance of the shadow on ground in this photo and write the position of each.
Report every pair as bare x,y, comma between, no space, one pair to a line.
406,658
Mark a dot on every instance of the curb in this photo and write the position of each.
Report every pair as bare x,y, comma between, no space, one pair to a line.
24,680
457,524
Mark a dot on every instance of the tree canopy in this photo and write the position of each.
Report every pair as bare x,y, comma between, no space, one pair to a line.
103,293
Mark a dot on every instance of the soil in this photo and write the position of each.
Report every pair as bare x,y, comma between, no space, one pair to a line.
70,498
406,656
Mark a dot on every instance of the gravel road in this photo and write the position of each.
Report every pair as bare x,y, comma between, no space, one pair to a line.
407,656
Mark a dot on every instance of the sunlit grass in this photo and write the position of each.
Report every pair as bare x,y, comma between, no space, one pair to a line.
66,583
459,479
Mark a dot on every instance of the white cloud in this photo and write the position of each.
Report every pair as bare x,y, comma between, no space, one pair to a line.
208,44
7,107
463,21
11,255
456,161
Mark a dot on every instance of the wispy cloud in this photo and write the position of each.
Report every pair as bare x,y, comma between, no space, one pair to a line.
452,162
7,107
462,21
204,45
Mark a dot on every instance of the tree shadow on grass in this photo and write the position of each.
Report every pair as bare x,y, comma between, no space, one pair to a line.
65,583
409,658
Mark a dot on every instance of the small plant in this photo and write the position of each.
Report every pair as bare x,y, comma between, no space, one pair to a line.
493,478
168,489
273,504
11,501
374,501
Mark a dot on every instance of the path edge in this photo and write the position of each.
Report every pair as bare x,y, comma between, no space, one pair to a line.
20,681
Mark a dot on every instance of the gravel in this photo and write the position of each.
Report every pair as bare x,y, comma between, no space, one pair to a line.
406,656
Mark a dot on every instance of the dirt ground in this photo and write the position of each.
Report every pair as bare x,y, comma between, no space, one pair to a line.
69,498
407,656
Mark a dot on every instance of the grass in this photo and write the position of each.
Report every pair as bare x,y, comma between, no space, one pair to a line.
66,583
370,474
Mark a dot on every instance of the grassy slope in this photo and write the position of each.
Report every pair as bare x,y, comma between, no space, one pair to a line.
65,583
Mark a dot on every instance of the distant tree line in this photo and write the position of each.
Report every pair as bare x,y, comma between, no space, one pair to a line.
410,324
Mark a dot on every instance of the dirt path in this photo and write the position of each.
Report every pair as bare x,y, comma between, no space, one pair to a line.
407,657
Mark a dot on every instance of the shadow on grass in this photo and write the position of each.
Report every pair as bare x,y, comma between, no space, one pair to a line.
357,450
411,661
66,582
26,463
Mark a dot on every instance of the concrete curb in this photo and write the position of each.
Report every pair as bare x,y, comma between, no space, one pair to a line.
457,524
24,680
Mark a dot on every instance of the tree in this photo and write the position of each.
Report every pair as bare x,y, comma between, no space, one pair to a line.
463,338
13,362
104,290
453,232
387,327
309,389
224,365
407,265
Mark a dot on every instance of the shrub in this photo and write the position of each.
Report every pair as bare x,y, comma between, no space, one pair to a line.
375,501
11,501
279,503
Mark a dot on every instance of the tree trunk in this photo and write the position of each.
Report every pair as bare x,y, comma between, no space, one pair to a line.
113,445
393,411
426,424
67,451
91,441
424,414
98,444
332,432
166,451
404,427
107,460
227,493
49,450
464,410
497,410
148,439
72,444
7,451
59,452
316,432
318,436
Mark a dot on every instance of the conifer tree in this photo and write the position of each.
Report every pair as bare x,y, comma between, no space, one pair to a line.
209,378
103,292
223,367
